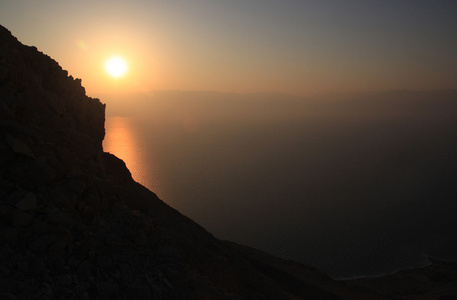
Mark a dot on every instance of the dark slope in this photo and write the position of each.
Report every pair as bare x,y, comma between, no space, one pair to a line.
75,225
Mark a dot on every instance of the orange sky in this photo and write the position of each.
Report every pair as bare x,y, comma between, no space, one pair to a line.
294,47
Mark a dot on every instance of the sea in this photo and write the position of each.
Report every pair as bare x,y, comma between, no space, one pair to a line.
355,186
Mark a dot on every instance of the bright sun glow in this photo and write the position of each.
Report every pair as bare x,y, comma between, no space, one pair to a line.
116,66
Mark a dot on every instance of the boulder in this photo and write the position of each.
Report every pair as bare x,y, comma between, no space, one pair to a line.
42,242
19,146
57,216
27,203
22,218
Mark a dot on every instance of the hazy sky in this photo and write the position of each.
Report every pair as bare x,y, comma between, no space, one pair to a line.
293,46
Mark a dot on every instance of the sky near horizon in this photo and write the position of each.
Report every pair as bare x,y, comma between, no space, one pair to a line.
296,47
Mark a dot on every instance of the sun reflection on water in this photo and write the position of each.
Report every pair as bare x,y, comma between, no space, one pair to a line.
129,141
121,140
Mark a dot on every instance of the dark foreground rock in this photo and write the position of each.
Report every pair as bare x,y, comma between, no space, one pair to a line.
75,225
436,281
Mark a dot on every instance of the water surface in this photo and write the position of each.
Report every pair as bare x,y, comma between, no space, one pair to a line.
350,193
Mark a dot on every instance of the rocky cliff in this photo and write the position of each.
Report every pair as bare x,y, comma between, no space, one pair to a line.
75,225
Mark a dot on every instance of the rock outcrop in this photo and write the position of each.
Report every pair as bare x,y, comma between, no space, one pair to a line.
75,225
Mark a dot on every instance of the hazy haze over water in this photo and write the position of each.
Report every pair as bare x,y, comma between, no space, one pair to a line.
355,186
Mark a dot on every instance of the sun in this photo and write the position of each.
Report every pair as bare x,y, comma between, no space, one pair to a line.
116,66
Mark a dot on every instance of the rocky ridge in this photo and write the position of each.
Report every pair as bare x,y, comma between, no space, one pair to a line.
75,225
